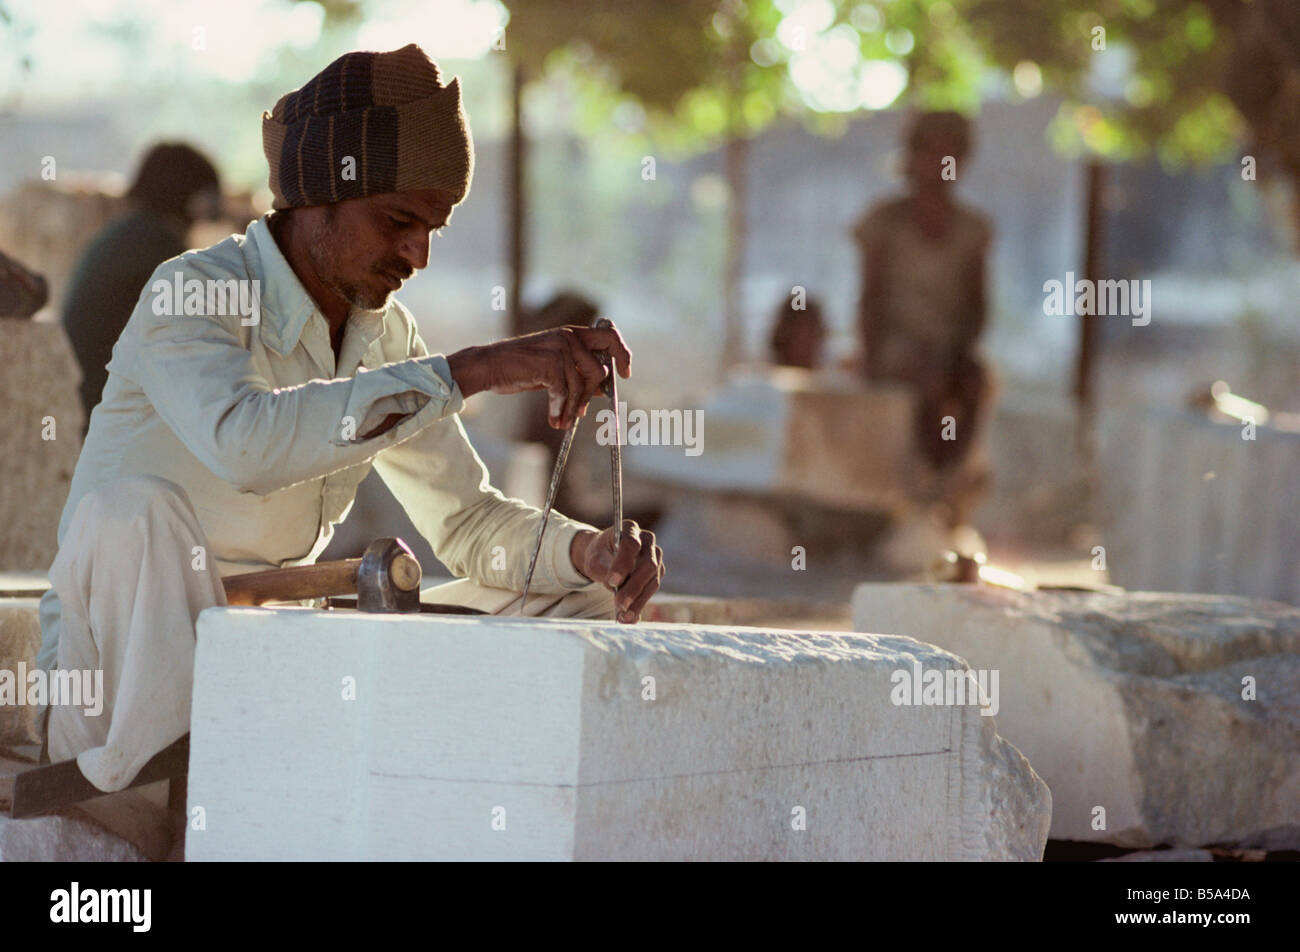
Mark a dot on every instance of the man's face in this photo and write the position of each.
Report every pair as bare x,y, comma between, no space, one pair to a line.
364,248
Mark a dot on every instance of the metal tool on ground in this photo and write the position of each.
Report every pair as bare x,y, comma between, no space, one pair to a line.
610,389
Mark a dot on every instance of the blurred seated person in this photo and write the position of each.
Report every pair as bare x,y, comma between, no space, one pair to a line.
175,187
22,292
798,333
922,307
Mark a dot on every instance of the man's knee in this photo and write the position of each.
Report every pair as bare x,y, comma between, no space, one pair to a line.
136,502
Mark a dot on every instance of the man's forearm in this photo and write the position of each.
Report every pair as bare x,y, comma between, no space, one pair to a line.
468,370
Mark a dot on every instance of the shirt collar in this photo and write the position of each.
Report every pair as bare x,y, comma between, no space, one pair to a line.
286,305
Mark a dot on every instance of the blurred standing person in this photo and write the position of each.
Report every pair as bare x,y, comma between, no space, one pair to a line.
922,307
175,187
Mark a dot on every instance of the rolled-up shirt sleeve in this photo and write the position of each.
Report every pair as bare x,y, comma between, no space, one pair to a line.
475,530
405,388
200,378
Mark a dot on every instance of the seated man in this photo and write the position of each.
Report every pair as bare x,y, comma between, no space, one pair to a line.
256,383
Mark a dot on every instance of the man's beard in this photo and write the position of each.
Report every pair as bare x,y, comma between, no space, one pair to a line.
327,250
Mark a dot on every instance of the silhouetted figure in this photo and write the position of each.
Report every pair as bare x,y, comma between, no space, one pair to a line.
922,307
22,292
798,333
175,187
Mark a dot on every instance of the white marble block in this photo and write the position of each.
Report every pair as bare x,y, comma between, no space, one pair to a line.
1178,715
1192,506
493,738
783,431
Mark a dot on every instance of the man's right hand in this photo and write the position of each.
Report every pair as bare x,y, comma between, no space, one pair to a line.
562,362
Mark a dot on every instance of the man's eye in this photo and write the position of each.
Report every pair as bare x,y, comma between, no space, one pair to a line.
399,222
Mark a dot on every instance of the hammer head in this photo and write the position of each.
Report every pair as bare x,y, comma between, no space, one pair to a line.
389,578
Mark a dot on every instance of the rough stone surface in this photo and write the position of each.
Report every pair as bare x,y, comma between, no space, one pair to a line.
63,839
1191,506
38,379
691,609
701,610
545,728
20,640
1132,702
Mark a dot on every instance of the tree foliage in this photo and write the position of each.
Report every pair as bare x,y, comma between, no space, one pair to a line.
1190,79
1193,79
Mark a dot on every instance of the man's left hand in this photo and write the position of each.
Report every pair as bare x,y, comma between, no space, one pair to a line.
634,571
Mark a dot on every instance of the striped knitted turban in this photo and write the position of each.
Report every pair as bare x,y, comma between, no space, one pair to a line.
387,113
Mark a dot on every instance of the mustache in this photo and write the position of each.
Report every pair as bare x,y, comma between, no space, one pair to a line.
399,269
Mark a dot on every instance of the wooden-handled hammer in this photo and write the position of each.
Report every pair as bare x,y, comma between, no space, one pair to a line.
385,579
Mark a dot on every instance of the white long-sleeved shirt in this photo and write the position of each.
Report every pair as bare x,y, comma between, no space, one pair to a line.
262,429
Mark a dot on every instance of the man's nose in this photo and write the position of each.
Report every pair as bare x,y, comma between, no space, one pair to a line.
414,248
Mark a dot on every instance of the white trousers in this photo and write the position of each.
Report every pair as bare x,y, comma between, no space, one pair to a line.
129,597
